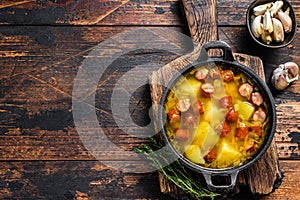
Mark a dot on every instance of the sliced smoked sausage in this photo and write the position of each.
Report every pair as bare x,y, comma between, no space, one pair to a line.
256,98
225,102
245,90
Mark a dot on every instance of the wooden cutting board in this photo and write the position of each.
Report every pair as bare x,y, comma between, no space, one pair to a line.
202,21
260,177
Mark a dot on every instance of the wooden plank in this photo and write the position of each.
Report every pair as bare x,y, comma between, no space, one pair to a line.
114,12
30,48
71,180
40,144
86,12
290,186
93,180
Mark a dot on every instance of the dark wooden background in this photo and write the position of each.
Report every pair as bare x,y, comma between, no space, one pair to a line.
42,45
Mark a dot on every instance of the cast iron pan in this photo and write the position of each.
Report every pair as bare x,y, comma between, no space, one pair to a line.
226,59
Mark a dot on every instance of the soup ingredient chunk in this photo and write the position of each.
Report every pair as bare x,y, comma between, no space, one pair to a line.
211,156
190,120
231,115
259,115
183,105
227,75
182,134
174,116
223,129
242,131
198,107
201,74
207,89
203,131
256,130
249,146
256,98
227,155
225,102
214,73
245,110
205,137
193,153
245,90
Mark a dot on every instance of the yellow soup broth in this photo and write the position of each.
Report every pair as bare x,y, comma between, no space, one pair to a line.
216,117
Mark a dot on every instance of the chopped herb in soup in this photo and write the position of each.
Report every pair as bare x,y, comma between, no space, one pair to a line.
215,117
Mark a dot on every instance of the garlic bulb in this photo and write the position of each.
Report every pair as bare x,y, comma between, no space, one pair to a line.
284,75
279,81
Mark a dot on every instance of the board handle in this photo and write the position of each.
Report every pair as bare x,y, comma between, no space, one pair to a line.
201,16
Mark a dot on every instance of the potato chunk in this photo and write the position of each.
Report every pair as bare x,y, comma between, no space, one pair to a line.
227,155
201,133
195,85
245,110
193,153
205,137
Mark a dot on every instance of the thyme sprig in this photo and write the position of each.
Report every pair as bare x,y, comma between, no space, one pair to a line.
175,172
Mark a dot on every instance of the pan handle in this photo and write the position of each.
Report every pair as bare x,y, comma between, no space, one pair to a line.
218,44
213,187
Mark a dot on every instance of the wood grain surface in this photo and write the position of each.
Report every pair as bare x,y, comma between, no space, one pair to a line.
42,46
116,12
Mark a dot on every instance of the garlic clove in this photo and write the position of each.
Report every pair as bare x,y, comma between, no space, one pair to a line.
267,22
261,9
252,18
286,21
278,33
292,69
287,11
266,37
256,27
275,8
278,70
291,79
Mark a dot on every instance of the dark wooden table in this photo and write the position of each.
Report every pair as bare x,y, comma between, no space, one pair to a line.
43,43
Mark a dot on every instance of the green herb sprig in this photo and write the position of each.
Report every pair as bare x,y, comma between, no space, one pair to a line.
175,172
